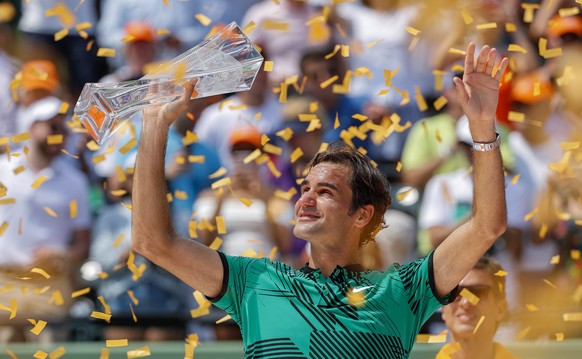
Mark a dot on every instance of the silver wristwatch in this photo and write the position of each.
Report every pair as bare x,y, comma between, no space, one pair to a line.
487,146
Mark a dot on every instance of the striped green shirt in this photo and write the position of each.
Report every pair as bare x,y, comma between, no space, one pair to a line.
299,313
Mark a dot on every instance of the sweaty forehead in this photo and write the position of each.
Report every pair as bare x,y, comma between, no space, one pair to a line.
477,277
329,172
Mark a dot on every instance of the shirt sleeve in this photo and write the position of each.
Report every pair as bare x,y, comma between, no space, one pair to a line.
237,270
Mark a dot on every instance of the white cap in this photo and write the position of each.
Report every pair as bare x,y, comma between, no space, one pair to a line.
463,131
41,110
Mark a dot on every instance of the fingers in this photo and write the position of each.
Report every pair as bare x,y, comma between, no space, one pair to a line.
481,64
469,58
461,92
501,69
490,61
190,89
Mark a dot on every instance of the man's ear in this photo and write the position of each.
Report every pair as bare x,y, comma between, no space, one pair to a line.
501,309
364,215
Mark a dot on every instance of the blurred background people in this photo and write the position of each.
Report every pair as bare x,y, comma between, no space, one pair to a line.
47,226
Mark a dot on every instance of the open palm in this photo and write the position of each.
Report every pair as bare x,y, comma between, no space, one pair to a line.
478,91
172,110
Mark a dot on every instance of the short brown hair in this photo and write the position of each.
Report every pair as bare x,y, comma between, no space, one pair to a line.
369,185
494,268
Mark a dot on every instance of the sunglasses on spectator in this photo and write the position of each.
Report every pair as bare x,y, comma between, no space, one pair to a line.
481,291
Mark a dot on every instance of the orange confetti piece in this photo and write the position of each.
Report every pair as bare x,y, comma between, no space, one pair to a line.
548,53
38,327
80,292
106,52
105,352
203,19
61,34
57,353
41,272
296,154
100,315
223,319
3,228
116,343
21,137
467,18
139,352
220,226
440,103
275,25
39,354
467,294
216,243
50,212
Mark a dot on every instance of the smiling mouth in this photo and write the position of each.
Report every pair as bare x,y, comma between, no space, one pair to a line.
307,216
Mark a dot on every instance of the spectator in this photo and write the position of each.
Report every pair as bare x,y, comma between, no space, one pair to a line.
47,225
38,31
8,68
256,106
473,318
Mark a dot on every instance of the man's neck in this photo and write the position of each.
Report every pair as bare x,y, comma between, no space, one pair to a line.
328,258
475,348
38,160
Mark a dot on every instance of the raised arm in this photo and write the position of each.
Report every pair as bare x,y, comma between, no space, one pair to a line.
478,94
152,233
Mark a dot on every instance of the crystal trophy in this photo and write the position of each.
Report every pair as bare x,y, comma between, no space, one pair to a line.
224,63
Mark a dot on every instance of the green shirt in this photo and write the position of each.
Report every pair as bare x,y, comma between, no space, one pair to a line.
299,313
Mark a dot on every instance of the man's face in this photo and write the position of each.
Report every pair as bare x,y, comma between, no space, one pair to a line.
461,317
321,212
40,132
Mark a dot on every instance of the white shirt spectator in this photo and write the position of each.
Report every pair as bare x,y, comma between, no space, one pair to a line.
30,226
34,17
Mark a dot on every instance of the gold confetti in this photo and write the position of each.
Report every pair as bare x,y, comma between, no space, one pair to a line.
37,182
7,12
345,50
41,272
357,299
21,137
39,354
50,212
549,283
80,292
216,243
203,19
575,254
296,154
420,101
578,294
105,352
273,253
500,273
61,34
223,319
531,307
467,294
268,67
572,317
516,48
481,320
132,297
522,333
139,352
568,11
329,81
528,14
516,116
555,259
219,173
249,28
3,228
100,315
118,240
548,53
220,226
272,149
489,25
66,17
57,353
567,146
247,202
275,25
398,166
456,51
252,156
372,44
559,337
105,52
336,49
221,183
510,27
116,343
440,102
467,18
38,327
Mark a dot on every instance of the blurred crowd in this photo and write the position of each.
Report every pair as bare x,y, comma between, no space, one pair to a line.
375,74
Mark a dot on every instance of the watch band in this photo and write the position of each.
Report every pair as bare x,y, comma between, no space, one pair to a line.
487,146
